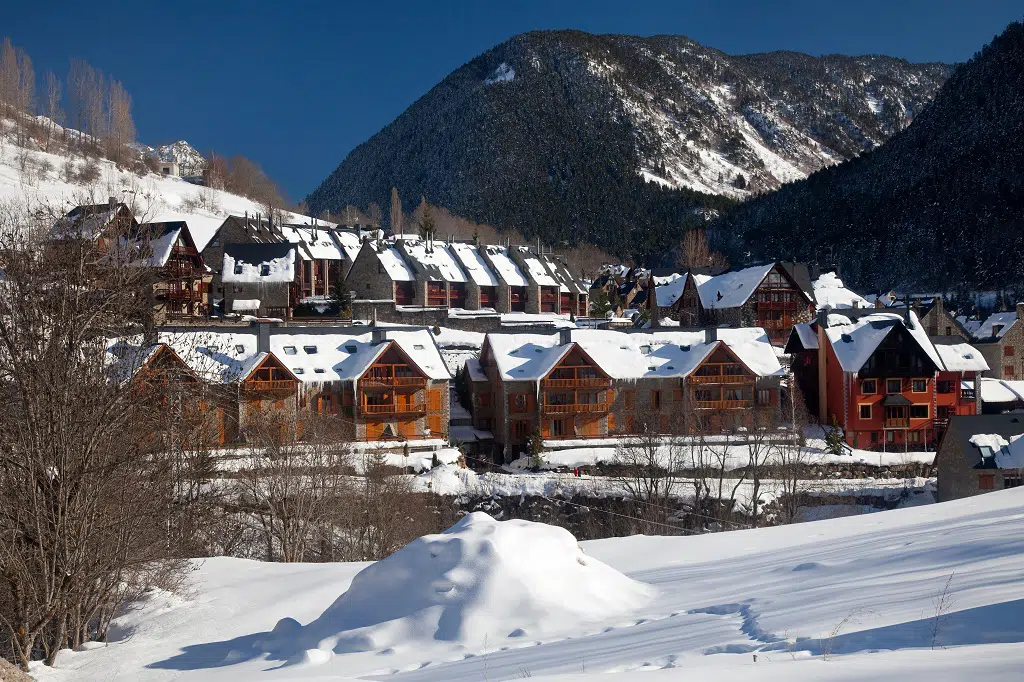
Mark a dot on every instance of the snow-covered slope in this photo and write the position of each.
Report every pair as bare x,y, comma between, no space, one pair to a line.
153,197
814,602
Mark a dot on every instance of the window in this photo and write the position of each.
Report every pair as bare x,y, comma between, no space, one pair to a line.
520,430
310,350
1012,480
299,370
318,370
893,385
559,428
764,396
865,411
944,387
264,269
518,402
986,482
890,436
874,436
351,349
868,386
239,348
1009,372
483,399
946,411
238,268
1009,351
949,331
996,328
914,437
656,400
919,385
289,350
918,411
629,398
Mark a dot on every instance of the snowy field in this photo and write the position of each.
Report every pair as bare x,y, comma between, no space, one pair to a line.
844,599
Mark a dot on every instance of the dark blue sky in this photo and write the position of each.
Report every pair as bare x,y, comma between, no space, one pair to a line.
296,85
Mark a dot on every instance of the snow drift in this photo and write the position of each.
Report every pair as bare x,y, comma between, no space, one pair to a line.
481,580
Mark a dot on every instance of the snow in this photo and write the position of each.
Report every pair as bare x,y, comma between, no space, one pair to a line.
1001,390
1007,454
875,104
505,267
538,273
394,264
349,243
808,335
855,342
158,248
830,292
473,263
317,243
438,260
731,289
281,269
985,330
851,599
476,373
961,357
667,290
503,74
245,304
630,355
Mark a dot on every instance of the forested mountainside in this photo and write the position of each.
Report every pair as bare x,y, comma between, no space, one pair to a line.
625,141
940,205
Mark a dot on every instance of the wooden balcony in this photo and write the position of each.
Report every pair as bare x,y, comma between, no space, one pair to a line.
895,422
180,295
394,409
181,271
574,408
721,379
722,404
589,382
270,385
394,382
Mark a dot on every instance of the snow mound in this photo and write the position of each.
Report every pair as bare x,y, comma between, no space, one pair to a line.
481,580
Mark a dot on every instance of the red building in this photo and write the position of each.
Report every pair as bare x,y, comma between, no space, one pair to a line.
882,379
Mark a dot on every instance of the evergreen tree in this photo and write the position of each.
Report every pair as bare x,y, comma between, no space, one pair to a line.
834,443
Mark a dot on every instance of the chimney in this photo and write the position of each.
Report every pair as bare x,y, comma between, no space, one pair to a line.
907,320
710,334
823,318
113,203
1020,311
565,336
380,335
262,337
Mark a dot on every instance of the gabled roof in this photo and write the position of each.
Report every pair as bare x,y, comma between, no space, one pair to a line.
504,266
314,243
628,355
256,361
156,240
433,262
803,337
558,269
800,276
957,356
88,221
669,289
1001,390
474,265
730,289
855,341
259,263
985,332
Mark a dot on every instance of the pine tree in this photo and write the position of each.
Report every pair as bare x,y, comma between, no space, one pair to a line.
536,445
834,443
599,303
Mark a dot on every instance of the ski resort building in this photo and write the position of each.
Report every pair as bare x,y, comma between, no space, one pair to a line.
183,281
882,379
589,383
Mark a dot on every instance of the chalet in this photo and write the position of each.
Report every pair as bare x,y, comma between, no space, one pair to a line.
182,285
111,226
979,454
259,279
378,384
589,383
774,297
881,378
998,337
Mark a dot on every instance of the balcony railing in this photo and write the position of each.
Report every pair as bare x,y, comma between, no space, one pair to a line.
181,271
179,295
400,382
269,385
722,404
896,422
394,409
720,378
574,408
587,382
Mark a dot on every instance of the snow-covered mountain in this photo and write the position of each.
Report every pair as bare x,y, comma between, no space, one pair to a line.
189,159
554,132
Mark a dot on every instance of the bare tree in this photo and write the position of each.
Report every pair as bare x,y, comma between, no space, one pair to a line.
649,468
694,252
396,212
373,214
8,77
121,129
53,110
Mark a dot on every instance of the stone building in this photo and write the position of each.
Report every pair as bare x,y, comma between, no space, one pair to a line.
998,338
259,279
979,454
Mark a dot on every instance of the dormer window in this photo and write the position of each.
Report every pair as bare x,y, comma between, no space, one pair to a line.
289,350
238,268
351,348
310,350
996,329
264,270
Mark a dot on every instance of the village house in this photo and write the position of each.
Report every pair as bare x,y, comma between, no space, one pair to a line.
259,279
774,297
998,396
375,384
112,226
998,338
979,454
183,282
590,383
881,378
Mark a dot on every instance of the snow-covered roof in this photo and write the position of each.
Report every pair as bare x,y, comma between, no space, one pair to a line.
258,263
87,221
1005,453
808,335
535,268
156,240
961,357
830,292
316,243
393,263
993,322
476,372
667,290
566,282
435,262
504,266
1001,390
856,341
245,305
730,289
349,243
312,356
970,325
628,355
474,264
